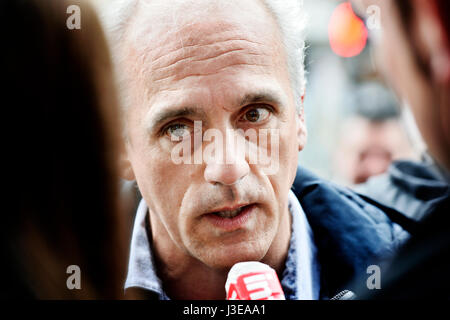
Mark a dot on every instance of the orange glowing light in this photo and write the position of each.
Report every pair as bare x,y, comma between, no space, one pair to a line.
347,32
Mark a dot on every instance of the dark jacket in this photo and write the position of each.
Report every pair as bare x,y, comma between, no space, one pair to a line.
410,187
420,270
351,231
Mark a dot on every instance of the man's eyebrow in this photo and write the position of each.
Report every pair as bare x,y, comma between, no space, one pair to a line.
265,96
169,114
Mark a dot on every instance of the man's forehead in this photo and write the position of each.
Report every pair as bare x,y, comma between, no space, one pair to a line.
188,24
170,49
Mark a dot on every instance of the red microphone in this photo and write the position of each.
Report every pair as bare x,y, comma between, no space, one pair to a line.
253,281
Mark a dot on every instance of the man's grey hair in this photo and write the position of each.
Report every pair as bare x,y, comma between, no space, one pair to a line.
289,15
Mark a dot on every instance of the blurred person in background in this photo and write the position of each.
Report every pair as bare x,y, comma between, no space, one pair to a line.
413,46
371,137
376,136
61,168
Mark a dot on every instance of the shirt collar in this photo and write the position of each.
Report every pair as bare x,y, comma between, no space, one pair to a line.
300,279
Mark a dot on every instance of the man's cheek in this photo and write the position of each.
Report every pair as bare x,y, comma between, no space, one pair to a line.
268,151
288,158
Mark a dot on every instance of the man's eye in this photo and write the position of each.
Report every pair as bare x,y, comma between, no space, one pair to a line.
177,132
256,115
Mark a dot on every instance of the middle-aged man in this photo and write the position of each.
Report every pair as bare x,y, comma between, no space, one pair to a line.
186,67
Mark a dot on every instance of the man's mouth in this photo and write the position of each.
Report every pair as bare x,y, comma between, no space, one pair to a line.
230,213
233,218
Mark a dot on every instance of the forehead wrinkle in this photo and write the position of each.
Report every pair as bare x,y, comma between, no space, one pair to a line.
186,37
183,52
203,33
199,41
210,58
210,65
177,60
191,29
186,75
204,57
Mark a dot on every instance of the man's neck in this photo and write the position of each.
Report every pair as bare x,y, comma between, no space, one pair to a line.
186,278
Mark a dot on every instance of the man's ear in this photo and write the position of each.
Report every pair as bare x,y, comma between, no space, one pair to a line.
125,169
301,129
434,37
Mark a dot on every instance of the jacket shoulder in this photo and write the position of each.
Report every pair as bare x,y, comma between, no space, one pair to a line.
351,231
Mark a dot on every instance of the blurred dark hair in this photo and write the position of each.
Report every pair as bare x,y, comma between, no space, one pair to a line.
406,14
374,102
442,8
60,105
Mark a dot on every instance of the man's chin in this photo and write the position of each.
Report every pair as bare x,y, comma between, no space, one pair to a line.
227,256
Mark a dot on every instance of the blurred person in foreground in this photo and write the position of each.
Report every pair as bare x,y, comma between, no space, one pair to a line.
188,69
371,136
63,114
414,53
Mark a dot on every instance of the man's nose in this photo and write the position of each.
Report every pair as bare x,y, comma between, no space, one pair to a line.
230,168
